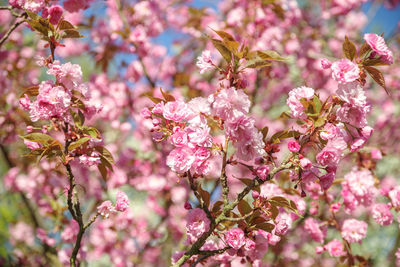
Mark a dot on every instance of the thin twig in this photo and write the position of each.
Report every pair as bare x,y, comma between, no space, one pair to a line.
195,248
13,27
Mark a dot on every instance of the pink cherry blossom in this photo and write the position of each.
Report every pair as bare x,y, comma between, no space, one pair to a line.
295,95
345,71
204,62
235,238
312,227
105,209
377,44
262,172
335,248
177,111
293,146
381,214
354,230
197,223
180,159
122,201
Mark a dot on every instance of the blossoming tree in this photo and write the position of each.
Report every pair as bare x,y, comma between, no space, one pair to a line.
265,134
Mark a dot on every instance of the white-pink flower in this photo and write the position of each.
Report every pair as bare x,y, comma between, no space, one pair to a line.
293,101
345,71
312,226
122,201
235,238
382,214
204,62
197,223
105,209
180,159
378,45
177,111
354,230
335,248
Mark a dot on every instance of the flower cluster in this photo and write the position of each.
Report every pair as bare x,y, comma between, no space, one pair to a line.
106,208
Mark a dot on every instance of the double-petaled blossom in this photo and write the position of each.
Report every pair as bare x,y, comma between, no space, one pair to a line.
335,248
293,146
204,62
235,238
353,230
382,214
122,201
52,101
345,71
105,209
197,223
181,159
294,103
358,188
378,45
312,226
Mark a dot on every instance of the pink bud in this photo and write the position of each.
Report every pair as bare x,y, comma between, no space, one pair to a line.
293,146
145,113
305,163
376,154
29,129
187,206
335,207
262,172
325,64
255,194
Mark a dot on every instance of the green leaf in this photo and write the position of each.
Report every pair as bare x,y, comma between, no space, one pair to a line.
105,157
65,25
93,132
39,138
317,104
79,118
270,55
32,15
284,134
78,143
222,49
319,122
38,27
244,207
257,63
224,35
71,34
374,62
349,49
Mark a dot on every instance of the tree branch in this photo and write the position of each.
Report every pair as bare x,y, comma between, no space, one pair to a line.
13,27
195,248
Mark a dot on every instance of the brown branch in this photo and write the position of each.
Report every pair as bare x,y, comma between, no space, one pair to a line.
208,253
74,208
13,27
195,248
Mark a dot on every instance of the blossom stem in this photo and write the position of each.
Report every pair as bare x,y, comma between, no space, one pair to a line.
195,248
74,208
